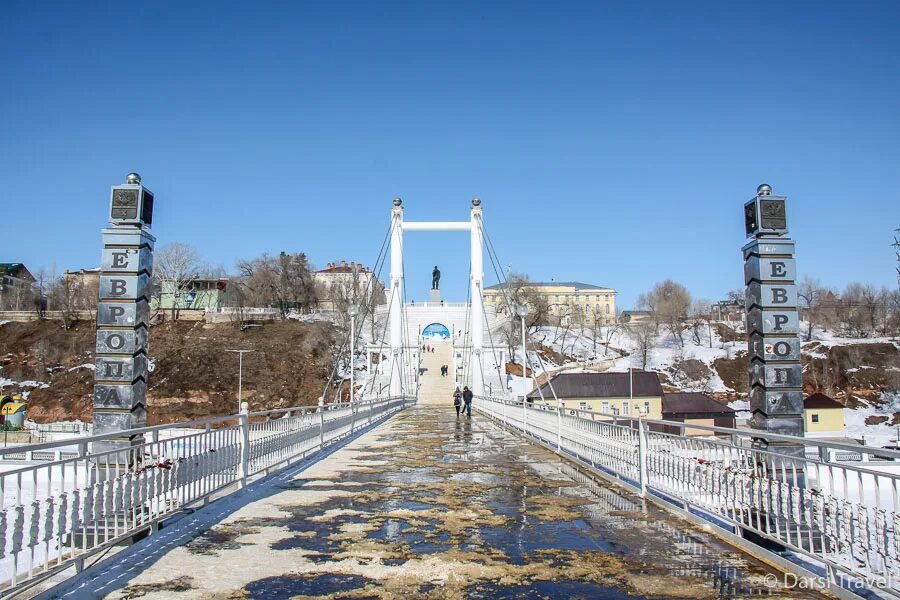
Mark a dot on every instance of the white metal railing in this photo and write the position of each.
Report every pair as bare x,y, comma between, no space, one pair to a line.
88,498
842,519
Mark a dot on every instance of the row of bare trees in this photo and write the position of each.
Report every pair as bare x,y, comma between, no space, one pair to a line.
860,310
282,281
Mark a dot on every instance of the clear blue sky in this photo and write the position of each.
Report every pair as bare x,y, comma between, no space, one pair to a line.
611,143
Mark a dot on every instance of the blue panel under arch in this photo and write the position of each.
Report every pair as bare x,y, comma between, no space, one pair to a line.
436,330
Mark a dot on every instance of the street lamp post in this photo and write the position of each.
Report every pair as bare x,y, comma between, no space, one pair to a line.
240,354
522,312
353,311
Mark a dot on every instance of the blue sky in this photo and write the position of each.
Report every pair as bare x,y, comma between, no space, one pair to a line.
612,143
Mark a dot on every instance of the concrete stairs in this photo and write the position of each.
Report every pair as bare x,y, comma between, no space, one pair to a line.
435,390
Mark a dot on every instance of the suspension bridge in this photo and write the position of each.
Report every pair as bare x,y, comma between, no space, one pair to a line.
392,495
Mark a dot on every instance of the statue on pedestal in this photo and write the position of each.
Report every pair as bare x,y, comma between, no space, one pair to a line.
436,278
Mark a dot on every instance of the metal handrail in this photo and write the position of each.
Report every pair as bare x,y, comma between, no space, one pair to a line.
156,428
775,437
54,514
844,516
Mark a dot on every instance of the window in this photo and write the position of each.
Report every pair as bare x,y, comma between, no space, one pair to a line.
583,406
626,407
604,407
647,407
815,418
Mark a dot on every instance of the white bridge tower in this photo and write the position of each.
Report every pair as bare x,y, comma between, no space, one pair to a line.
395,309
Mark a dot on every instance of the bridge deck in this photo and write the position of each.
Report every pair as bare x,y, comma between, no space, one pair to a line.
431,506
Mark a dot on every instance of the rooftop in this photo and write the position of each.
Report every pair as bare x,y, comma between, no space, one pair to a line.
601,385
17,270
692,402
343,267
821,401
575,284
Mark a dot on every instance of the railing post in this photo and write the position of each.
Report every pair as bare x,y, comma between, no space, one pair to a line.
244,426
558,428
321,422
524,416
642,456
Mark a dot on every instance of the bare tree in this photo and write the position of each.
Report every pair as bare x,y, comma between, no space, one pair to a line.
609,331
176,267
43,280
347,291
668,303
519,291
63,298
284,282
700,321
643,333
811,295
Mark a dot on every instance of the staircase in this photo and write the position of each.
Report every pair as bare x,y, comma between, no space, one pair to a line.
435,390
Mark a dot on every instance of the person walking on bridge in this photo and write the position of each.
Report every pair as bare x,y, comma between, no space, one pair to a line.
457,401
467,399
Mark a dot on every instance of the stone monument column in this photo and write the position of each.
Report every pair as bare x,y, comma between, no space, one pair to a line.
773,326
123,317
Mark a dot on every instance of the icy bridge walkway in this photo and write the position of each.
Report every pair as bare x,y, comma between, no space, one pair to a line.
428,506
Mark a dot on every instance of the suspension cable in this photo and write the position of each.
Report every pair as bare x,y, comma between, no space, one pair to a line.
491,341
378,265
467,333
495,261
381,344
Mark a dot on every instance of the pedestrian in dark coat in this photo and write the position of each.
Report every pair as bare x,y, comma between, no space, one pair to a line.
457,400
467,399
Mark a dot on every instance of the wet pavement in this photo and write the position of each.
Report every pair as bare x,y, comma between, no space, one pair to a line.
431,506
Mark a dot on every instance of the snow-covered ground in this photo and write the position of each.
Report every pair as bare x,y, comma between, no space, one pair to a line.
623,353
666,352
879,435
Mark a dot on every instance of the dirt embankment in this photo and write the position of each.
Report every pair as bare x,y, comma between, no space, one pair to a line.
193,377
844,372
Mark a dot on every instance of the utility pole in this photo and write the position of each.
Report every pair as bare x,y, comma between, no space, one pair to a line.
240,354
353,310
522,312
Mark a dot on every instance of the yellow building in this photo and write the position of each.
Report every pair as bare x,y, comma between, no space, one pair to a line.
638,394
565,299
823,414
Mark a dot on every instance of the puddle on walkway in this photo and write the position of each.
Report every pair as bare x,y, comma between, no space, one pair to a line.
461,509
285,588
